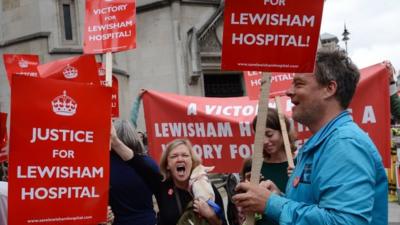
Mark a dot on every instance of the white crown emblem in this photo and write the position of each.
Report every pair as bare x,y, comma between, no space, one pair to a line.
70,72
22,63
102,72
64,105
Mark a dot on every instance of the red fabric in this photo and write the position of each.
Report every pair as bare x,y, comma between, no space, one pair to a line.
110,26
168,115
255,40
62,108
25,65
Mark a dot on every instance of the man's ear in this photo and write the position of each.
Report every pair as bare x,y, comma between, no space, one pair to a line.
330,89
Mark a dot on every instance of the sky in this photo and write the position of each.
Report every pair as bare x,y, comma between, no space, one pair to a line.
373,25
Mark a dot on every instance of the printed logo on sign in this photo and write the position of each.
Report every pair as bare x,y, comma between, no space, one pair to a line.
70,72
64,105
22,63
102,72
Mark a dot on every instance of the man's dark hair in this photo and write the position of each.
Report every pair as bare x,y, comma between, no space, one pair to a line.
337,66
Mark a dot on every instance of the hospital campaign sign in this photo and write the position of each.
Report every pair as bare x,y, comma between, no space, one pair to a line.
20,64
271,35
220,128
59,152
110,26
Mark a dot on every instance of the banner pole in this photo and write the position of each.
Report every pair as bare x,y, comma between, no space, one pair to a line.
109,69
285,134
257,158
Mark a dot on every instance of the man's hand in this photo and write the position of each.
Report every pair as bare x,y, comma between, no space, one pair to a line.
253,197
270,186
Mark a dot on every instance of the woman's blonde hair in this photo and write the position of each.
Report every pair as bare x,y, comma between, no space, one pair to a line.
172,145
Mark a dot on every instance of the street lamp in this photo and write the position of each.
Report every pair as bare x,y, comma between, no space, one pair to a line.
345,35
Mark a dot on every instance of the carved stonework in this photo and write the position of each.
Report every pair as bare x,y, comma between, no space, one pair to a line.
205,45
10,4
210,42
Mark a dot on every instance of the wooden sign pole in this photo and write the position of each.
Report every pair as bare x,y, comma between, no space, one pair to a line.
285,135
109,69
262,113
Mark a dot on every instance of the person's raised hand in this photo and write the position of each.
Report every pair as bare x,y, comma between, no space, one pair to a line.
113,135
389,66
141,92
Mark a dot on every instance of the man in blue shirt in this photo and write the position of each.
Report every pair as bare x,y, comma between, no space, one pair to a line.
339,177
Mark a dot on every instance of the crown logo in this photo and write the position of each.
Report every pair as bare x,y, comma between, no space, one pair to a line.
70,72
22,63
102,72
64,105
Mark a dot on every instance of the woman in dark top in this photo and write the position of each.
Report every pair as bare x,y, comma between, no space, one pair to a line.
171,186
275,166
129,207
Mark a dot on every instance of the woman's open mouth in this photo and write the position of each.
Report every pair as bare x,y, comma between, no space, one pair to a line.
180,169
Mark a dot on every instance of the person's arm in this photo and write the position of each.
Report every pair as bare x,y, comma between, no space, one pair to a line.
147,168
119,147
344,186
135,107
208,213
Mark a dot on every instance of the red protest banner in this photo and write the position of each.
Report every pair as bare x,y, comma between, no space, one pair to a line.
271,36
220,128
114,88
110,26
80,69
3,136
25,65
280,82
59,160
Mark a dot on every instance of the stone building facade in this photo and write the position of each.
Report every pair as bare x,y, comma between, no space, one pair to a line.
178,45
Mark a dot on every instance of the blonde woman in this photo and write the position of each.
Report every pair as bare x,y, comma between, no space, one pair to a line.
171,185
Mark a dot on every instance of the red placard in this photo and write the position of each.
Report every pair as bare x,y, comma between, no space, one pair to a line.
25,65
80,69
110,26
3,136
271,36
114,95
220,127
280,82
59,152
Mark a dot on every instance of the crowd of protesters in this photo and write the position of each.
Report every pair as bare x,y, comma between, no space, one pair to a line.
339,177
